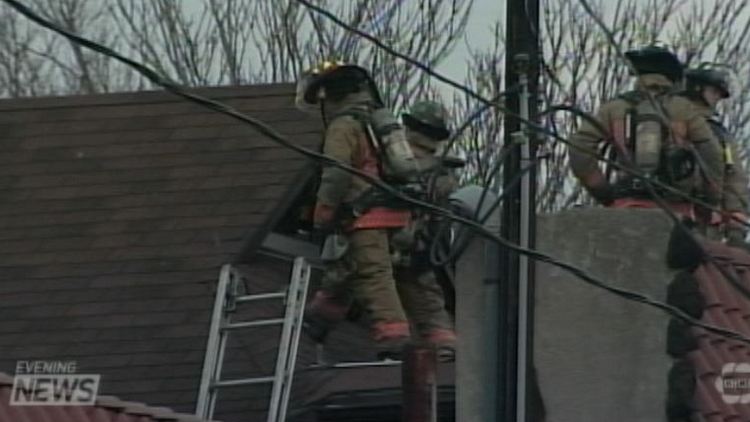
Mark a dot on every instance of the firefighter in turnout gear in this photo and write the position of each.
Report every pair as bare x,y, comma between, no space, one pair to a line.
655,132
705,87
422,296
358,258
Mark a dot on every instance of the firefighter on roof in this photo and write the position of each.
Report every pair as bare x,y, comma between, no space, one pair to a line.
361,269
705,87
655,132
423,297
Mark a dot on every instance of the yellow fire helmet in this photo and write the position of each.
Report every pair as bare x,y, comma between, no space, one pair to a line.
309,84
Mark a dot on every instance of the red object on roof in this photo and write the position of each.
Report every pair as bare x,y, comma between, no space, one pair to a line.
723,366
106,409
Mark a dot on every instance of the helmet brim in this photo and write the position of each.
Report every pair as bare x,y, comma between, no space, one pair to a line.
663,63
699,78
354,71
434,132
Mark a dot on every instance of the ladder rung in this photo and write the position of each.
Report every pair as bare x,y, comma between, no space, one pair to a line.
243,381
354,365
252,324
262,296
227,297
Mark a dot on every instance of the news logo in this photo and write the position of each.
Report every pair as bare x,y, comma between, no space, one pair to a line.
733,384
52,383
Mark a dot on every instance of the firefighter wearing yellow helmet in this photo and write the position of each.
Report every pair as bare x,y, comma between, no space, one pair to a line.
362,272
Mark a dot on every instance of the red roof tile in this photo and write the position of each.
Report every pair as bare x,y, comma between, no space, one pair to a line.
105,409
726,308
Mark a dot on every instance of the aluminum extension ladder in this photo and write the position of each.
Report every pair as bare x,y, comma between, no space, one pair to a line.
227,299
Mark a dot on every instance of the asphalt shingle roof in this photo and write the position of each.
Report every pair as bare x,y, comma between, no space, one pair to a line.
116,212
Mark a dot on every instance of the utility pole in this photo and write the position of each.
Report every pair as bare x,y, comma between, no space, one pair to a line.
518,215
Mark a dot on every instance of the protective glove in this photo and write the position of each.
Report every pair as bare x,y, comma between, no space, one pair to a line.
323,218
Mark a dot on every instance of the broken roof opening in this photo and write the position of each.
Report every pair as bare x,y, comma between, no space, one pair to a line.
292,232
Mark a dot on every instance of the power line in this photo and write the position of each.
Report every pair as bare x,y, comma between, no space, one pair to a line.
533,125
493,103
661,203
611,40
642,176
477,113
648,181
425,68
610,36
657,198
281,140
626,169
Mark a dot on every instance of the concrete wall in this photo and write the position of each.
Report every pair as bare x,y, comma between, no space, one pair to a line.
476,327
600,357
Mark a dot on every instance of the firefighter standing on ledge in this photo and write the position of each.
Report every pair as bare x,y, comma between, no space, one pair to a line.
654,131
705,87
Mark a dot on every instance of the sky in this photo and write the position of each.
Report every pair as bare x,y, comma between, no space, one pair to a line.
478,34
479,27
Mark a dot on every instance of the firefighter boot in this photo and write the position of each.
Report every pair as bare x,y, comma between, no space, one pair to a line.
323,313
390,339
